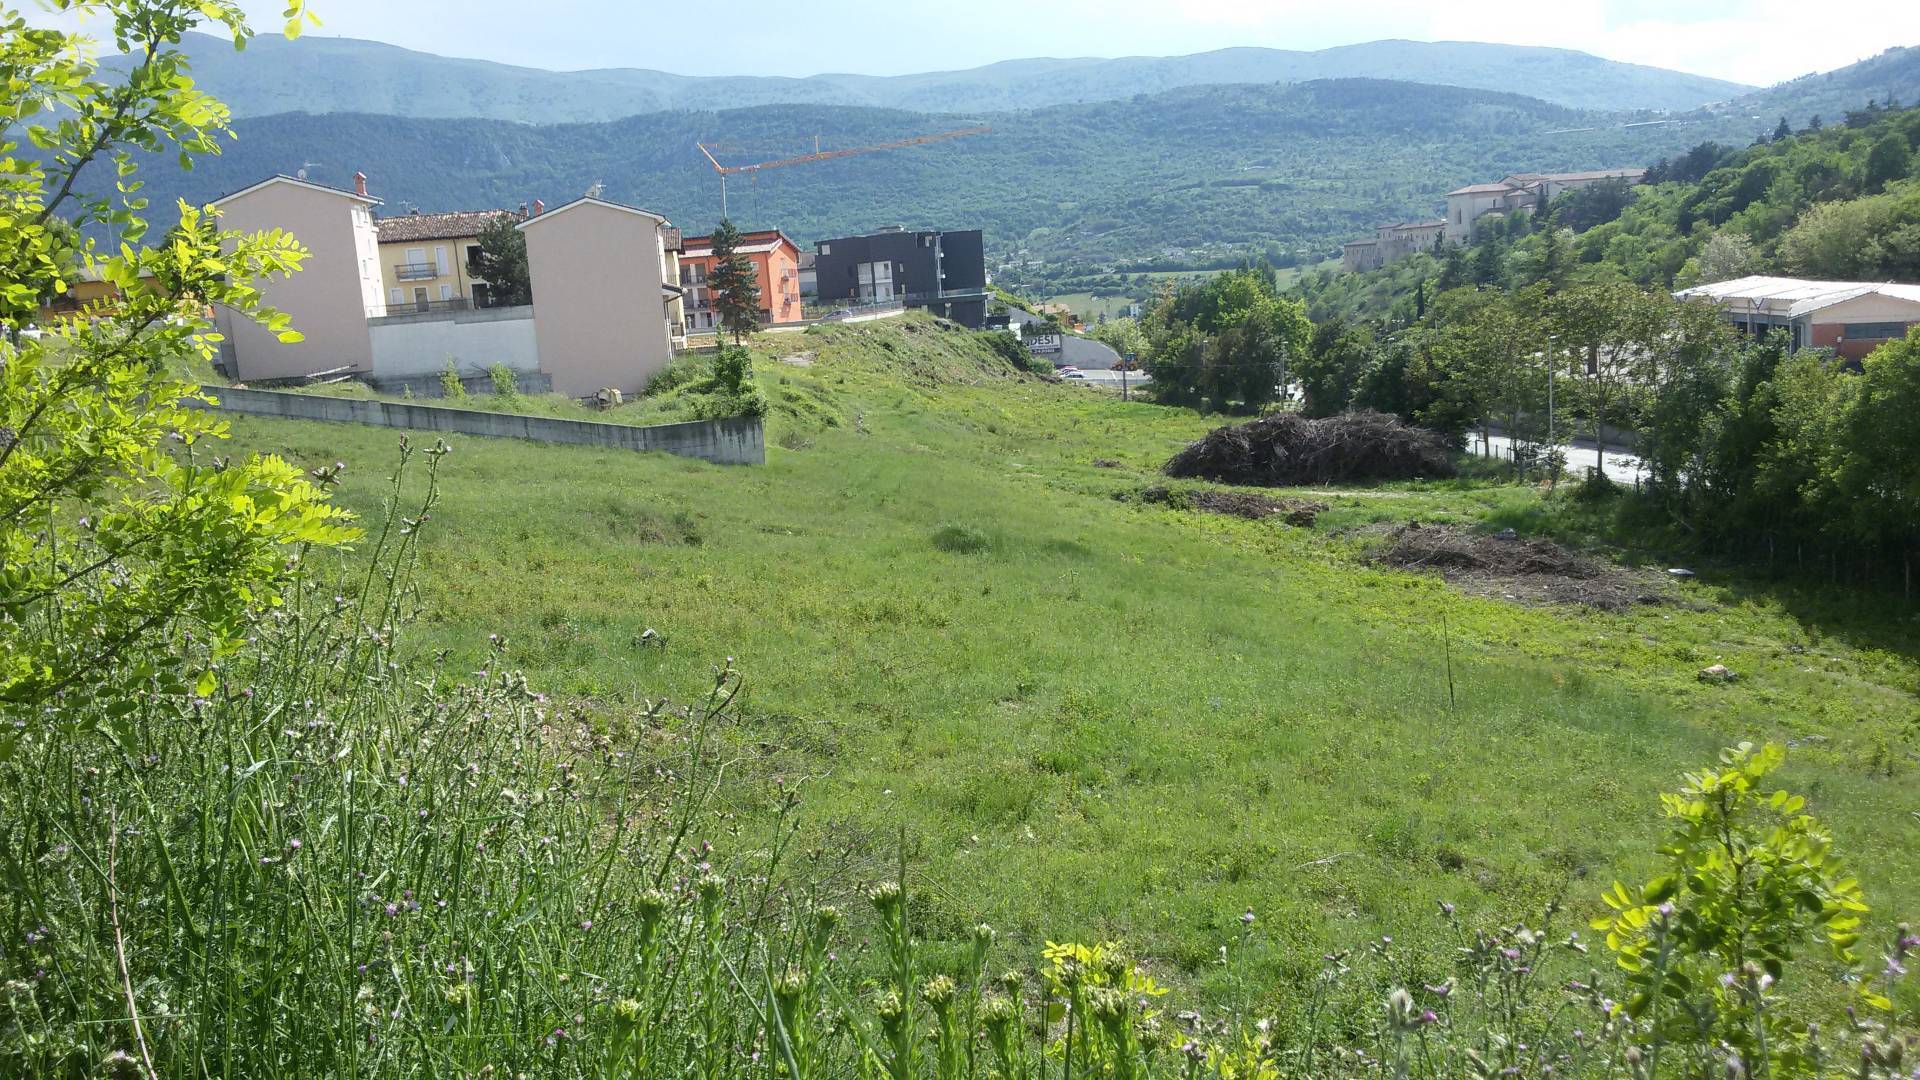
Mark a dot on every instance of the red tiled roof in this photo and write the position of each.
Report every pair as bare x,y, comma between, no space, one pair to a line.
453,225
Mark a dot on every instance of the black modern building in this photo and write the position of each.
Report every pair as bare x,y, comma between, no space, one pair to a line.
943,272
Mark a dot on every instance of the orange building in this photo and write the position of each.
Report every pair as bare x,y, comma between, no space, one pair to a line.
776,269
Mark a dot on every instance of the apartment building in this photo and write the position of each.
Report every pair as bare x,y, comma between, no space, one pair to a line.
606,306
424,258
776,271
943,272
329,300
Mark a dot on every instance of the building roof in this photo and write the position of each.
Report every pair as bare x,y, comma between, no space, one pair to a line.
1795,297
282,178
453,225
752,243
1595,174
588,200
1438,223
1483,189
1362,243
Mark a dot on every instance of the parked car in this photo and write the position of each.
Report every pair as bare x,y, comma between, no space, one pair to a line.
1073,375
837,314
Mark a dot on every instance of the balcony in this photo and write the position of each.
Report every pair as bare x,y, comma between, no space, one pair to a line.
428,307
412,271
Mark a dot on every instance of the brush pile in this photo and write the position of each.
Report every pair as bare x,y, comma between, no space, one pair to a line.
1288,450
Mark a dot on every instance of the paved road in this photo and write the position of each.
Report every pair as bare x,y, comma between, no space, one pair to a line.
1621,466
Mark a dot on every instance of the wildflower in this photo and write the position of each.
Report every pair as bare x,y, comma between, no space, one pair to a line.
1440,990
938,992
1400,1014
392,910
1446,909
885,897
1246,917
711,886
293,844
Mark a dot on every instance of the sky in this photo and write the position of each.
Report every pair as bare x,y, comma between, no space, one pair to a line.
1750,41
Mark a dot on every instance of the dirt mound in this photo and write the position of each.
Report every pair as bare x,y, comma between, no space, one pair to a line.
1518,568
1242,504
1286,449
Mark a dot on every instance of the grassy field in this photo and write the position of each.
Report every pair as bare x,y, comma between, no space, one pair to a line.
1093,718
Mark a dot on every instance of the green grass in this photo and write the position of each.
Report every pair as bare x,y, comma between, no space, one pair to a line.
1096,719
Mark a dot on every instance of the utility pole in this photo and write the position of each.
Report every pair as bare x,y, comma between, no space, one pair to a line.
1126,365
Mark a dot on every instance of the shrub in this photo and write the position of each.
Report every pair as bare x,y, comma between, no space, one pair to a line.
961,539
506,382
450,385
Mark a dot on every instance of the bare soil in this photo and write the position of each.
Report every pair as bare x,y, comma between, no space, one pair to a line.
1242,504
1525,569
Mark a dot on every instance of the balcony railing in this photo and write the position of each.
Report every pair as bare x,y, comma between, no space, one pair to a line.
427,307
412,271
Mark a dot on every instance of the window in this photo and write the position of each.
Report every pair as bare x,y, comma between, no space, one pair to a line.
440,258
446,292
1875,331
473,252
826,249
394,296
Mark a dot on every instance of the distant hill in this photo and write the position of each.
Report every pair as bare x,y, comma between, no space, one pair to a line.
1831,94
1180,177
323,75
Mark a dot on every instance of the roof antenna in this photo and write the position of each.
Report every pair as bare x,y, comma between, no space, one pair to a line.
301,173
594,189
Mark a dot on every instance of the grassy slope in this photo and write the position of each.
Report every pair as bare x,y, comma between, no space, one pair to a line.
1117,720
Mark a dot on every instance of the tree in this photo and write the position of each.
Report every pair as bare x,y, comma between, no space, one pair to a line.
1339,355
1609,332
1888,160
1782,130
1725,256
131,560
501,262
736,294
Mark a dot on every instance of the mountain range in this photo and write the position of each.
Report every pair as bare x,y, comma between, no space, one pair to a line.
1196,173
322,75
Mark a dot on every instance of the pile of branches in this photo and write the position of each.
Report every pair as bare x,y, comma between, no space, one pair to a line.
1287,449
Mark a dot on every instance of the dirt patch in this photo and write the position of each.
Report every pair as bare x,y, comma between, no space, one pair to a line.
1527,569
1285,450
1242,504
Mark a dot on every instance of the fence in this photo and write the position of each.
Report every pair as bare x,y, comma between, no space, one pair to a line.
740,440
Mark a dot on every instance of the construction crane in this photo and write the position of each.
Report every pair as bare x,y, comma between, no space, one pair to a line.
826,155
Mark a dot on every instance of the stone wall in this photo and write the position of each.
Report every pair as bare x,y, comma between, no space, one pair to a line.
735,441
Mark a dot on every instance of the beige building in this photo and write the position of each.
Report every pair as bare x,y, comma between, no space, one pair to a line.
1391,243
606,309
1468,206
330,299
424,258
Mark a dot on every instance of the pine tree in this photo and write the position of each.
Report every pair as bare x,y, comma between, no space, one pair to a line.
501,262
736,295
1783,131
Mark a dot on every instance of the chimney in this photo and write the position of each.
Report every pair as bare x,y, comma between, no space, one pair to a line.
539,208
360,184
523,210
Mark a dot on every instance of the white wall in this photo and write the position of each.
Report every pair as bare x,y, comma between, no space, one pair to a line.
474,340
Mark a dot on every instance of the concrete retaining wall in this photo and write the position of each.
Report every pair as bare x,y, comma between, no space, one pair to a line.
736,441
473,341
428,386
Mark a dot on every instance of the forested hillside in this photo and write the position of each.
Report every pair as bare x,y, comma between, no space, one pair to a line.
319,74
1283,171
1842,201
1893,74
